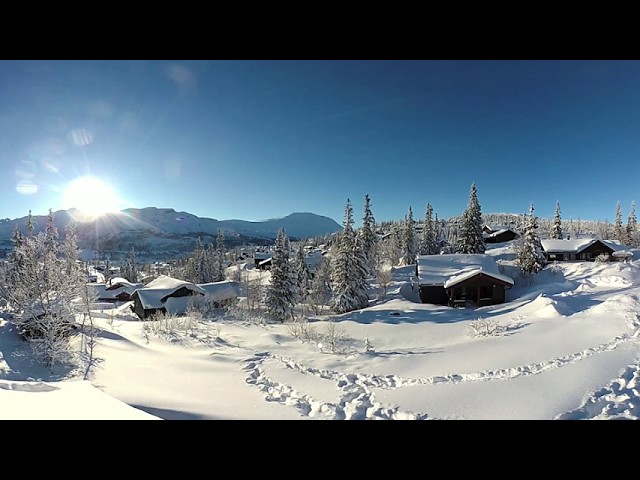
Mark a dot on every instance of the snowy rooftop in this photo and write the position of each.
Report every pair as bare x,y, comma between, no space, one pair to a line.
450,269
576,245
221,290
153,294
497,232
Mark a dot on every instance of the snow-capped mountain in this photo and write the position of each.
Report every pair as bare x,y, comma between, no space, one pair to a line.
164,229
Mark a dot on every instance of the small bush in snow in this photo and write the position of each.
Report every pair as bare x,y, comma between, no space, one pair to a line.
368,347
484,327
555,268
333,338
301,329
603,258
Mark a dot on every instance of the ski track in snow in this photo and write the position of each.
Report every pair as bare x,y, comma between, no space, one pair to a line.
621,399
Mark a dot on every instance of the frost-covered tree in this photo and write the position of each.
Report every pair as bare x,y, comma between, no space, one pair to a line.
409,243
349,272
632,229
320,293
303,275
556,229
129,270
367,236
619,232
470,239
281,292
219,273
42,293
428,242
530,255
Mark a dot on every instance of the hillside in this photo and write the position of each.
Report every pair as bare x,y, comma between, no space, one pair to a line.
166,230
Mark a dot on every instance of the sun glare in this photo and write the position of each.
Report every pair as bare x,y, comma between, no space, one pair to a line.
90,197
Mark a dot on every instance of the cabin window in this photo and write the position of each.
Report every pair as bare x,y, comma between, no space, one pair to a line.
486,291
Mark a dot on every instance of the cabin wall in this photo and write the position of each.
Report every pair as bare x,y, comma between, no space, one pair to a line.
436,295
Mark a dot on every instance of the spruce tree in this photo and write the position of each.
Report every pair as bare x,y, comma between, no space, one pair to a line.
281,292
303,275
530,255
409,244
556,230
632,230
618,230
428,242
349,273
470,239
367,237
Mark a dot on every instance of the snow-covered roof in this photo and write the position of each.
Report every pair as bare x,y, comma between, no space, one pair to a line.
450,269
494,228
152,295
265,261
576,245
262,255
122,285
221,290
497,232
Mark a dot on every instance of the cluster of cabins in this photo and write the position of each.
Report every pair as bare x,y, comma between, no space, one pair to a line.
461,280
167,295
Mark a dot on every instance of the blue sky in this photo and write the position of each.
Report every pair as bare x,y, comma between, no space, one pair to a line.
261,139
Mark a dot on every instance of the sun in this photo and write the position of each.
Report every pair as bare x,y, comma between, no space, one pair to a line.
90,197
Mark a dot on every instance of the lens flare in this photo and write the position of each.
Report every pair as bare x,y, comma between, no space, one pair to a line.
88,198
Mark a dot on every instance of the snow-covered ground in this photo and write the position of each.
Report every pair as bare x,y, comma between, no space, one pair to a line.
564,347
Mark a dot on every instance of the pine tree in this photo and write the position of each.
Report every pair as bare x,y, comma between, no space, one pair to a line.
428,242
530,254
348,275
281,292
556,230
618,230
470,239
367,237
409,244
632,230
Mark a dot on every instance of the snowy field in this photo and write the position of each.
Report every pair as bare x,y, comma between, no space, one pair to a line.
564,347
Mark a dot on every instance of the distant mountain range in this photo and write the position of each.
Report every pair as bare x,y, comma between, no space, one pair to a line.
156,230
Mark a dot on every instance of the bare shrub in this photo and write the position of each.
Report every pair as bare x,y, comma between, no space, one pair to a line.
334,338
485,327
300,328
384,278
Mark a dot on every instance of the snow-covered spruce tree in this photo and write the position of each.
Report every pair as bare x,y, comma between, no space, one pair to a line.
367,236
556,229
428,243
619,232
409,244
281,292
303,276
529,253
42,293
470,239
193,269
348,273
219,274
632,229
